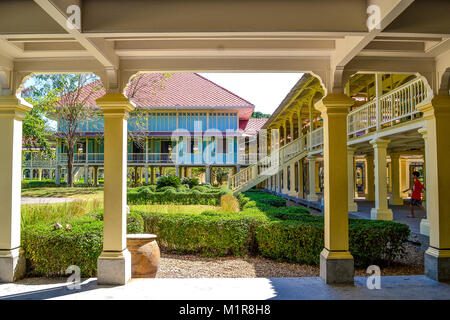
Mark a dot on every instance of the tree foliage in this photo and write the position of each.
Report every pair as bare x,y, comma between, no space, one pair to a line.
259,114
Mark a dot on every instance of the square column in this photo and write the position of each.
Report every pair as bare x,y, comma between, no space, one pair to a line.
300,180
146,174
404,177
312,196
381,210
352,206
292,191
208,174
114,263
285,180
396,198
336,262
86,175
278,182
437,152
370,178
12,261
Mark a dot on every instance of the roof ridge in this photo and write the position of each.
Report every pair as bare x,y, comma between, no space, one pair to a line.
218,85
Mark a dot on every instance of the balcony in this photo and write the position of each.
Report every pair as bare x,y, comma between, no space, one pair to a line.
393,108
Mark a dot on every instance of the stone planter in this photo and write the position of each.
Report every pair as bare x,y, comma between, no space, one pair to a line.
145,255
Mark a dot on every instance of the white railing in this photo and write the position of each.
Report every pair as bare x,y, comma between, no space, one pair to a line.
269,164
39,163
396,106
82,158
317,138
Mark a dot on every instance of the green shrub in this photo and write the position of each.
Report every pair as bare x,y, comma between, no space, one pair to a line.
49,252
300,239
144,190
266,198
191,197
135,223
211,213
291,241
191,182
249,204
169,189
242,200
377,242
205,234
164,181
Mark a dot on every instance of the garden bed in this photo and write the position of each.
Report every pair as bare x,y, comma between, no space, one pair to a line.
263,227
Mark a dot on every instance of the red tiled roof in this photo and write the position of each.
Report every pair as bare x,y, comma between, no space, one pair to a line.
252,126
179,90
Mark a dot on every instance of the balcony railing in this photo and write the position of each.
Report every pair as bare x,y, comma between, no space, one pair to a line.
277,159
390,109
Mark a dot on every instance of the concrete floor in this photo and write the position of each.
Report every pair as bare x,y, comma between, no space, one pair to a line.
395,288
400,214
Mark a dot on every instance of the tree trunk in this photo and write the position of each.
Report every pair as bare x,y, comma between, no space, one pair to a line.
70,164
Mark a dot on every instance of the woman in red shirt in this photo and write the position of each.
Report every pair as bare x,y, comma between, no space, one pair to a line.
416,196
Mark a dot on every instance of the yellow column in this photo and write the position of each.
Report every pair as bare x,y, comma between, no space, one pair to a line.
114,263
317,176
396,198
370,176
437,153
404,181
352,206
381,210
285,189
312,196
12,262
336,262
300,179
292,191
40,174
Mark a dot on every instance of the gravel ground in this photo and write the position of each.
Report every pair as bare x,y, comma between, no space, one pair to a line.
191,266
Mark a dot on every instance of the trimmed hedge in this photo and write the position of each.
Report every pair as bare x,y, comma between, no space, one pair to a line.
172,196
207,234
49,252
283,233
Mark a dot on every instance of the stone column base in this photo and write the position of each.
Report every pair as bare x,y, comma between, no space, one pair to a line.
425,227
12,265
336,267
353,207
437,264
114,268
381,214
312,197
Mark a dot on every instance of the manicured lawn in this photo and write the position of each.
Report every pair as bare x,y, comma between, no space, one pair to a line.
64,192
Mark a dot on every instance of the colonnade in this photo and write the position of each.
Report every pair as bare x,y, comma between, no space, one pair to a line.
336,262
339,184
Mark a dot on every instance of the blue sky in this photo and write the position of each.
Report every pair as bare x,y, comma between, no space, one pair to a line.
264,90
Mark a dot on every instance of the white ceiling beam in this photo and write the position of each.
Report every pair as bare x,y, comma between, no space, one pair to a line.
350,46
98,48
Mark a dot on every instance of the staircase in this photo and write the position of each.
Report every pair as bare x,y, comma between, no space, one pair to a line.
271,164
76,173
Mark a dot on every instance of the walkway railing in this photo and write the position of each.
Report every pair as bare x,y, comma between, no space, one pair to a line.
392,108
271,164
